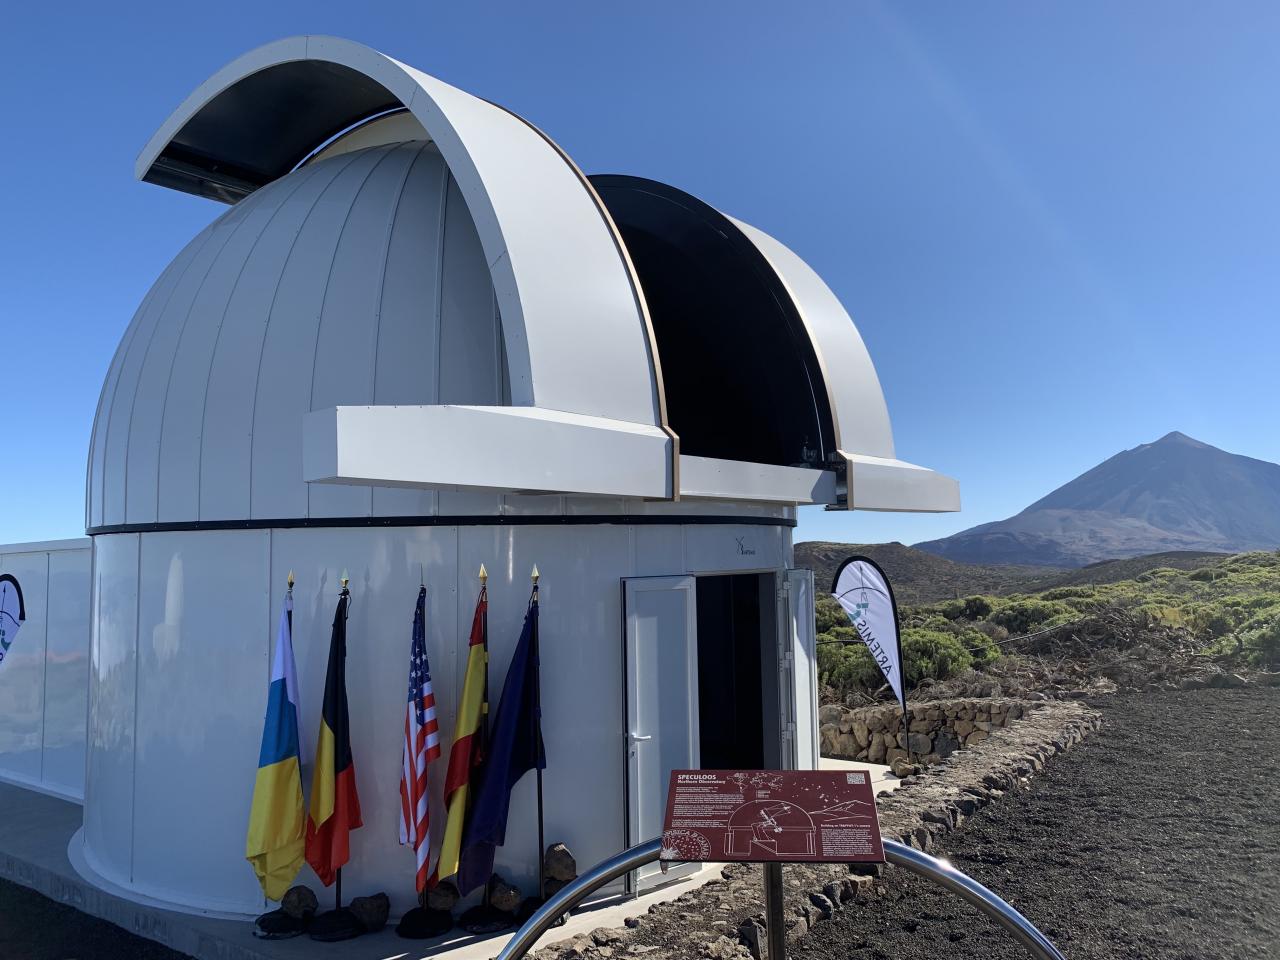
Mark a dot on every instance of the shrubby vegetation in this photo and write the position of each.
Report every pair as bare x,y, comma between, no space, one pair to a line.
1230,606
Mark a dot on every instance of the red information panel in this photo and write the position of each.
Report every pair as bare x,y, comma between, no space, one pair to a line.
792,816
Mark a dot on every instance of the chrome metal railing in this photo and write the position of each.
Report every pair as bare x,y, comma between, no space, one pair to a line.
898,854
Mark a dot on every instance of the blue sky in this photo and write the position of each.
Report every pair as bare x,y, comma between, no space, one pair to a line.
1056,225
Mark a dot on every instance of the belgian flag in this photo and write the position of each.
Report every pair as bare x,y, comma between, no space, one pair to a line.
335,805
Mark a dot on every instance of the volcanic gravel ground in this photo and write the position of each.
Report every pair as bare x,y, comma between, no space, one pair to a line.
1158,837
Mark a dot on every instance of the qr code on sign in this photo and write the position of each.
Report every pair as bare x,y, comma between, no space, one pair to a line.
855,778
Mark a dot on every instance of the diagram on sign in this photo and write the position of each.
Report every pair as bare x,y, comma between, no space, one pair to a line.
778,827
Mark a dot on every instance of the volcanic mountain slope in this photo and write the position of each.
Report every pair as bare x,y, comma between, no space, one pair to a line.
919,577
1174,494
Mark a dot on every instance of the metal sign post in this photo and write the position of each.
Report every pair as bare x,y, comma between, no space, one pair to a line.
774,916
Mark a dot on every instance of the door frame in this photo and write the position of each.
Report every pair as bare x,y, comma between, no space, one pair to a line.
630,733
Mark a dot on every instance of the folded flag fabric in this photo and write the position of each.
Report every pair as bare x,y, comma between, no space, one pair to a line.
421,745
468,748
515,748
335,804
277,824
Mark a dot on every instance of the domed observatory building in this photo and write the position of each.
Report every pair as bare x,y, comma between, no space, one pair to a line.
419,339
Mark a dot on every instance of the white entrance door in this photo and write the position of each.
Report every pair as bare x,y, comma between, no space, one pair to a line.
662,702
798,672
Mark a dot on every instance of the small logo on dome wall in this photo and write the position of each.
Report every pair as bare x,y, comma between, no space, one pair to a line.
13,613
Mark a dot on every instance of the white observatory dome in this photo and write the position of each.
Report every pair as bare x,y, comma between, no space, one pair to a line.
420,342
343,282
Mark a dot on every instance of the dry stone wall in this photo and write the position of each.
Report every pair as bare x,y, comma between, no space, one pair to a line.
937,728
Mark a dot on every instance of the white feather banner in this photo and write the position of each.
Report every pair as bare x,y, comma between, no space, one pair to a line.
862,589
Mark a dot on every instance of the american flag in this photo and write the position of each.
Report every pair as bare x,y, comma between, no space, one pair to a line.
421,746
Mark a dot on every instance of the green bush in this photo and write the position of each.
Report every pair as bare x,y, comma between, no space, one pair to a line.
1070,593
929,653
994,631
1025,615
982,649
828,613
847,665
978,607
1262,643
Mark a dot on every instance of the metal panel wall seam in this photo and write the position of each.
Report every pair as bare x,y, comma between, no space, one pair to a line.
355,199
300,178
271,308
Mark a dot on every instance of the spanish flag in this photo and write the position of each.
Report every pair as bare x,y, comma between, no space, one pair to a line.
468,748
276,821
335,805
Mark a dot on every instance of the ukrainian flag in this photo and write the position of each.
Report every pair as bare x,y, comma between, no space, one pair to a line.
277,825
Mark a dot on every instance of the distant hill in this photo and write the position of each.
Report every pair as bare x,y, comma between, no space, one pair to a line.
1130,568
1176,494
917,576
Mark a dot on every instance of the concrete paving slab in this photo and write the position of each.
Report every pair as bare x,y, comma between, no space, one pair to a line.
38,828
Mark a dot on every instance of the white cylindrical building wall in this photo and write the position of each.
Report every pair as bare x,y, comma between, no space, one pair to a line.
184,623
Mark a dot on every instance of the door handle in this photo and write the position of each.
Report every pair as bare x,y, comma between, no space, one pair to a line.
636,738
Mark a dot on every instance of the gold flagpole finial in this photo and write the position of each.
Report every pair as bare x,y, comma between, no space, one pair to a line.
345,579
484,575
291,580
535,574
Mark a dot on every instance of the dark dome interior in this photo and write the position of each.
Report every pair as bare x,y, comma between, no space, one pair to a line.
741,378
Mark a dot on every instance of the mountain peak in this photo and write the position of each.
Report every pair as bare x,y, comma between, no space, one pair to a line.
1175,436
1176,493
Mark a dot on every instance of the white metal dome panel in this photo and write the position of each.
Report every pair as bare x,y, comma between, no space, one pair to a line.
94,479
406,345
346,282
119,436
142,417
232,387
346,347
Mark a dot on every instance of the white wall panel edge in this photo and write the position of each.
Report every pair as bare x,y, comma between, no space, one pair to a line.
875,483
507,448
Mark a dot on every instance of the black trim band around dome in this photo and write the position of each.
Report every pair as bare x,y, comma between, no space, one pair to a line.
559,520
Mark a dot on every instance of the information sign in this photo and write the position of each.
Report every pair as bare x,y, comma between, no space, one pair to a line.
785,816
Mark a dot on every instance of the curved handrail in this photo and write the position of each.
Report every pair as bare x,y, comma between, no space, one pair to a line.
931,868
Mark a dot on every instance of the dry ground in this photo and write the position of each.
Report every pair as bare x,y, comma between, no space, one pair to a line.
1159,837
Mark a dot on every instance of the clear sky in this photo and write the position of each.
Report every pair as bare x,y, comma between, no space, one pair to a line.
1056,225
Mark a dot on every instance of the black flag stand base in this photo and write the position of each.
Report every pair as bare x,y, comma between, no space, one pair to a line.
339,923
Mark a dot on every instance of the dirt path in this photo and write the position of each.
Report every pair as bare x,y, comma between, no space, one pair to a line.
1159,837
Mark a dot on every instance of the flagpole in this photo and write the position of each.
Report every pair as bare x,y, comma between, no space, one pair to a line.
537,729
484,632
338,879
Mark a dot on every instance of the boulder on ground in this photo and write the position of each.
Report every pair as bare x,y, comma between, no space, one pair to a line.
372,912
558,863
901,768
503,896
443,896
299,902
